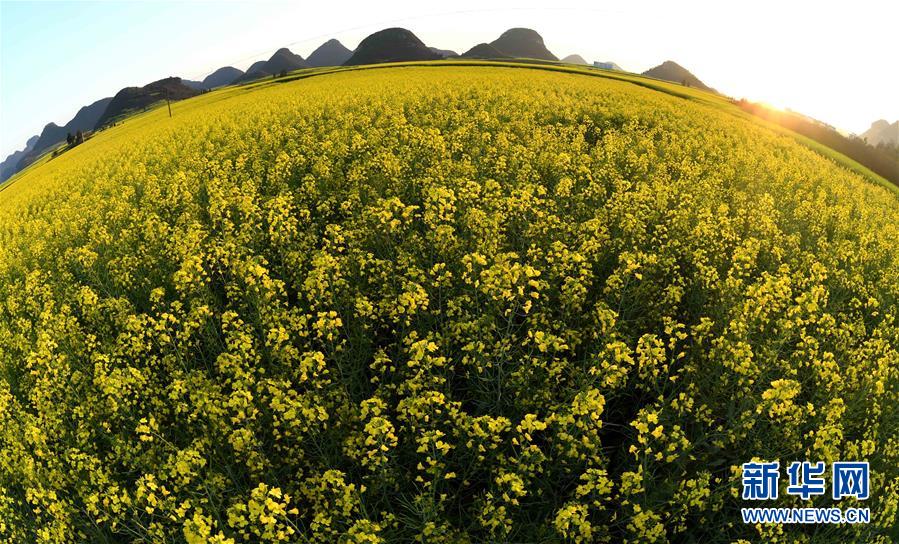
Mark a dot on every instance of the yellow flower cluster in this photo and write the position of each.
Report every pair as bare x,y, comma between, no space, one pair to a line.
440,304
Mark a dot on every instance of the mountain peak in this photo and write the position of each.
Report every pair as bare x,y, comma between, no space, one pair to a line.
882,132
222,76
330,53
257,66
524,43
391,45
284,60
675,73
484,51
574,59
522,33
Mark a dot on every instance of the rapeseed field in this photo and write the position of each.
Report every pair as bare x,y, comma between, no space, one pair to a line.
440,304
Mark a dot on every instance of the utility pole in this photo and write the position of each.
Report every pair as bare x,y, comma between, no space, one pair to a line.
168,103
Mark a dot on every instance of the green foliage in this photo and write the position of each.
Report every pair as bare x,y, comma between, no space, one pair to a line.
462,304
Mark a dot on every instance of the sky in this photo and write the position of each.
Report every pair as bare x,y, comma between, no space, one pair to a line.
834,61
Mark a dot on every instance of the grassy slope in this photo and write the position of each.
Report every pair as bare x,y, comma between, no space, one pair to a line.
688,93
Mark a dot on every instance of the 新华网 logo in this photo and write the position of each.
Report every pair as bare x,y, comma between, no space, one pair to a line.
805,479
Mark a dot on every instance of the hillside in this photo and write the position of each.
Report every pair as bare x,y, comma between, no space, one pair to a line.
882,162
522,43
484,51
574,59
882,133
9,165
52,134
132,99
85,120
490,302
674,72
330,53
391,45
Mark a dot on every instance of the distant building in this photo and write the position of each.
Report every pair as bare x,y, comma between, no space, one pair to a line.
606,65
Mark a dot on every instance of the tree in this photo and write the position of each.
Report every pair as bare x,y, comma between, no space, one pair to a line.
69,138
283,73
79,137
